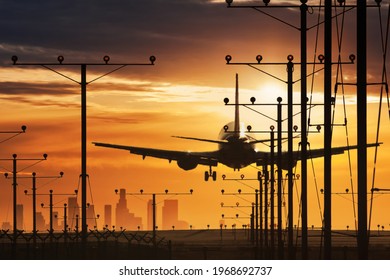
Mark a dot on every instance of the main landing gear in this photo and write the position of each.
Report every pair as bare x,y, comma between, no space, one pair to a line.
208,174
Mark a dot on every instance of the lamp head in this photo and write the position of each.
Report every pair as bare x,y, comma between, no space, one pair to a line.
106,59
14,59
60,59
228,58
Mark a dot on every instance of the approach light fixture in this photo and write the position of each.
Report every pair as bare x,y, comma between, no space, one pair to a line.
229,2
60,59
223,177
222,191
249,128
242,176
295,128
253,100
279,99
352,57
290,57
228,58
152,59
272,128
14,59
321,58
106,59
24,128
266,2
226,101
259,58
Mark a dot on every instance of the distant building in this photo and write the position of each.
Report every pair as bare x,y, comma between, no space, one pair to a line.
6,226
19,217
170,216
108,216
73,213
41,224
91,217
123,217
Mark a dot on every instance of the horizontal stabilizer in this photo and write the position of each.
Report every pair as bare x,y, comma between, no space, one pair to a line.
203,140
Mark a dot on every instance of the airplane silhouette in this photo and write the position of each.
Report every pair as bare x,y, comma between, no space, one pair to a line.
236,149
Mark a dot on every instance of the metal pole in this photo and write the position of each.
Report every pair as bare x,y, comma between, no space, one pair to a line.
272,203
154,218
280,174
257,217
34,190
303,126
361,51
15,184
83,153
265,171
51,212
65,220
252,224
261,210
290,68
328,132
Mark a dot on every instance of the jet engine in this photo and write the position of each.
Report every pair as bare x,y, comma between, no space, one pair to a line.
187,163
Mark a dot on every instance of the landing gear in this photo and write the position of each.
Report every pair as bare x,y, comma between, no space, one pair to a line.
208,174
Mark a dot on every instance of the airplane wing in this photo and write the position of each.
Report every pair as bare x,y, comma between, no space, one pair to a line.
335,151
264,157
194,158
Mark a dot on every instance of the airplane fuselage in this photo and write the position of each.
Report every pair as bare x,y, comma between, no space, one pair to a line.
237,153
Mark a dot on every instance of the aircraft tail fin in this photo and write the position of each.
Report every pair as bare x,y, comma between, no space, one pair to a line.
237,111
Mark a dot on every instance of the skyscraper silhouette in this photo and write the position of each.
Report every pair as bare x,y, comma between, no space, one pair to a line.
170,216
73,212
41,224
123,217
19,217
108,215
91,217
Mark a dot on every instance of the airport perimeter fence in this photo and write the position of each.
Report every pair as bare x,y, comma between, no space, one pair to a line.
107,244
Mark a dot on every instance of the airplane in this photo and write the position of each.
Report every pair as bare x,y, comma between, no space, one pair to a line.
236,149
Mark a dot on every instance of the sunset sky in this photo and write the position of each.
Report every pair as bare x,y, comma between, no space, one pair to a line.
182,94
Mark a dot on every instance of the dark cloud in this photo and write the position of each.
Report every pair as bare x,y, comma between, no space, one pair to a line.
36,89
190,38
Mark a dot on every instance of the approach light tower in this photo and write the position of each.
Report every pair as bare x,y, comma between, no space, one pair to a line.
83,83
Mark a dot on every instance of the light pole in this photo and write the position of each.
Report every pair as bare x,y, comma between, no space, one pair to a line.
83,83
34,194
15,184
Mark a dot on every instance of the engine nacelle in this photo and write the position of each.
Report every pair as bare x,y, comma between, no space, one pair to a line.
187,163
